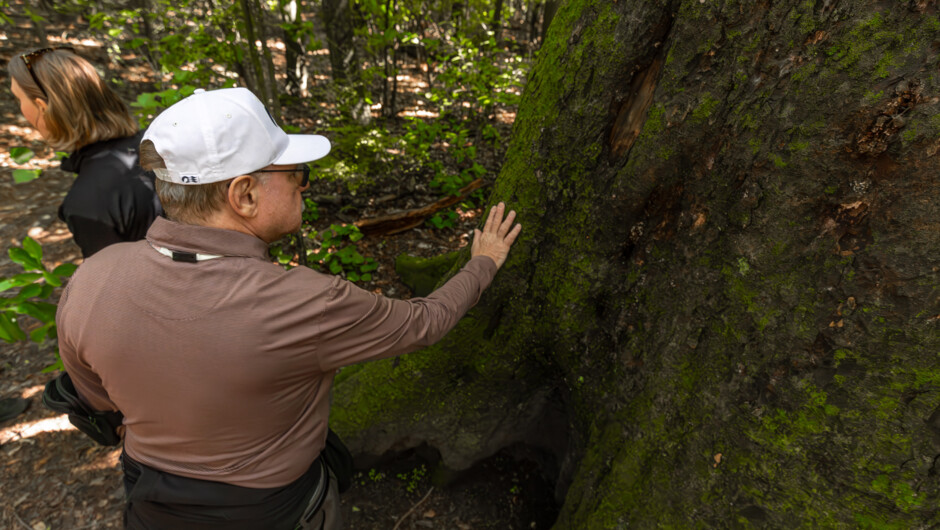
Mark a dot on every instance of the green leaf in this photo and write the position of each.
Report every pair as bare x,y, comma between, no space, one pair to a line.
25,175
46,291
64,270
20,279
114,32
41,311
57,365
183,76
21,155
22,257
39,334
146,100
319,255
30,291
352,276
9,330
367,277
336,267
32,247
51,279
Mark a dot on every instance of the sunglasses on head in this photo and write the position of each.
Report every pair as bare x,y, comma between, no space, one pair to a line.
305,168
30,59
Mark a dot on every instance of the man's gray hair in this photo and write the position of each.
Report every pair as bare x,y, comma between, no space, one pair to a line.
184,203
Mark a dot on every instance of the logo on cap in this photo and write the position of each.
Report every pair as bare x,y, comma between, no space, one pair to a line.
187,179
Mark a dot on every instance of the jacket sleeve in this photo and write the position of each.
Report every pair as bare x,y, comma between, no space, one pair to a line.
358,325
91,235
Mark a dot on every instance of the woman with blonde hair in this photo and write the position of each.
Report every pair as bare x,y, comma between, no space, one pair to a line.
73,109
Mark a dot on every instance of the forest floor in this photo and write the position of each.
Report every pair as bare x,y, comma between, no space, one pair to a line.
53,477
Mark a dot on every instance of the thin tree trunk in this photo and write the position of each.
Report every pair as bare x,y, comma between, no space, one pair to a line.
294,51
548,13
386,96
395,45
146,12
338,22
534,13
257,83
497,18
270,80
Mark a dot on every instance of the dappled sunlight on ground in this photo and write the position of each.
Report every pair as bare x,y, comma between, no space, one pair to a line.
28,429
43,236
104,461
506,117
418,113
32,391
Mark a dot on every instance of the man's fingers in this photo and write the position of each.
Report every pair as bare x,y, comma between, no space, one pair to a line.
511,237
507,224
490,219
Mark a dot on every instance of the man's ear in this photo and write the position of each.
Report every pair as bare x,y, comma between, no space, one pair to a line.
243,195
41,105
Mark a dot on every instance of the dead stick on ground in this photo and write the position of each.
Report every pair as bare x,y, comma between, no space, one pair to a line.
401,221
22,522
413,508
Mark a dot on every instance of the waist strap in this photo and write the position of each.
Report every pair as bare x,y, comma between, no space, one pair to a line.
156,499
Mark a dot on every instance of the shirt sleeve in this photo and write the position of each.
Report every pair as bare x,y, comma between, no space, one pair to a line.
358,325
86,381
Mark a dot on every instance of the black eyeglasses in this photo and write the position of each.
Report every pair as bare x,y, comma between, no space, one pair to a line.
30,59
305,168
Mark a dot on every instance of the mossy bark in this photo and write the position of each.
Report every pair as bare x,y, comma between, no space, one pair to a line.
725,298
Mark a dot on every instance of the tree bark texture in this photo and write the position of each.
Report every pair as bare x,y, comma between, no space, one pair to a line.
724,306
337,20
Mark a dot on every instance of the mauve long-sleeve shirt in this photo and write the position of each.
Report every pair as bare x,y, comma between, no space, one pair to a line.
223,367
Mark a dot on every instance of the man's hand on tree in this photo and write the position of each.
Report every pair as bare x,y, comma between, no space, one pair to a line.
496,238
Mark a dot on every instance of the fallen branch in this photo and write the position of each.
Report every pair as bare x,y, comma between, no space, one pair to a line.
413,508
401,221
22,522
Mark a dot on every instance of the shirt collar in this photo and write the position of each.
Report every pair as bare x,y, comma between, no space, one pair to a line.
205,240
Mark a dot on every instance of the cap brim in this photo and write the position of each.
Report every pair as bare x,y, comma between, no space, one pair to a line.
303,148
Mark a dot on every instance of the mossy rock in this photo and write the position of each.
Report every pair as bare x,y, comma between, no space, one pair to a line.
423,274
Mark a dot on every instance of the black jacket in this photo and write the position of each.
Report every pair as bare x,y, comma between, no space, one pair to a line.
112,199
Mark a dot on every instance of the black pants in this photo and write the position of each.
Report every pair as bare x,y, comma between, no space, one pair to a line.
157,500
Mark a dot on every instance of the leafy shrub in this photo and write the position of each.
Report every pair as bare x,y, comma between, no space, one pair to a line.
36,284
341,258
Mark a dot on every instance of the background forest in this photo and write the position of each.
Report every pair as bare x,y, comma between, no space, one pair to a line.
417,97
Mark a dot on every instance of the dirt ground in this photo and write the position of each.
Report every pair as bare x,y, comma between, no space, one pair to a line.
53,477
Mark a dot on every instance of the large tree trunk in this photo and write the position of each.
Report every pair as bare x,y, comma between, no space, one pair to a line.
724,307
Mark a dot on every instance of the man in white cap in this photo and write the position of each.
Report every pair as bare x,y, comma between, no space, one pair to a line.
221,361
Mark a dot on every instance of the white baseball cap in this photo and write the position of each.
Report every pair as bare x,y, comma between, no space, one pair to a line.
218,135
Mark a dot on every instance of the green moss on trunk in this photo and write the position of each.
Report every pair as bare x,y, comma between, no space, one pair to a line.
742,310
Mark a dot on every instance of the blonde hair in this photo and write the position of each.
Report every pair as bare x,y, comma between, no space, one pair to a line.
80,108
185,203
